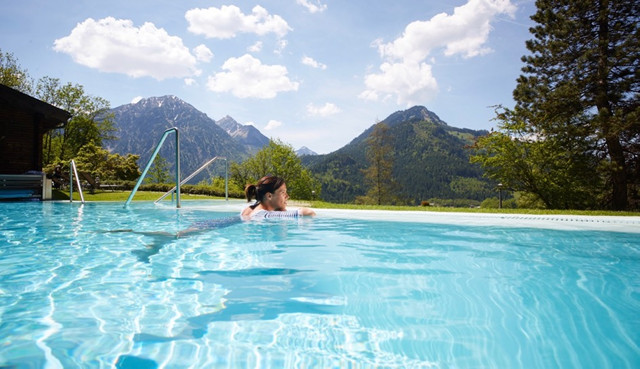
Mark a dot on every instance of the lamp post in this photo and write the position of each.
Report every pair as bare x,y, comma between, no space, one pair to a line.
500,195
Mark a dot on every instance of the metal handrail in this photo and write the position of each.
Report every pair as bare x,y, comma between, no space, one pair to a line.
226,178
153,156
72,170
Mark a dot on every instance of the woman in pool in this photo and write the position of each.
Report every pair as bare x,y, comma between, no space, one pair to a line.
271,200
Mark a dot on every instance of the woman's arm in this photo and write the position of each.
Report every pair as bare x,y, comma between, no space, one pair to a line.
306,212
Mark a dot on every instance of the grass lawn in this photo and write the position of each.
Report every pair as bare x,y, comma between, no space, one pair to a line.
324,205
153,196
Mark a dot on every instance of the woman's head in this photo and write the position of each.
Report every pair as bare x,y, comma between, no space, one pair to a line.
270,191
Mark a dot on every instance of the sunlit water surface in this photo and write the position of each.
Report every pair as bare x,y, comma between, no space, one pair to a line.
78,290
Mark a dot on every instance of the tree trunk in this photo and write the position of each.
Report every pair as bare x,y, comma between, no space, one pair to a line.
614,147
619,200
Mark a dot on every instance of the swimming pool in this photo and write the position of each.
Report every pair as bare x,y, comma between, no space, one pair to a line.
346,289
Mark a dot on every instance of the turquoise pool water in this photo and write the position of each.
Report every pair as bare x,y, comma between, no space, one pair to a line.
338,291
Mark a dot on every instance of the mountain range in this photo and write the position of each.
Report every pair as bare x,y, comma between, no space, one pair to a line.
139,127
430,157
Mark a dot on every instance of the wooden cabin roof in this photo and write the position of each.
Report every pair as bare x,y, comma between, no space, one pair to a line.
52,117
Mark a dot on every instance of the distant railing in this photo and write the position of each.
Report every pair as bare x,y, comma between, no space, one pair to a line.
153,156
226,178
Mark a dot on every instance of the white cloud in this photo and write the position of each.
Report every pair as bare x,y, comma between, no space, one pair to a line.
203,53
255,48
189,81
228,20
272,125
404,72
324,110
306,60
465,32
370,95
410,82
246,76
311,7
115,45
282,44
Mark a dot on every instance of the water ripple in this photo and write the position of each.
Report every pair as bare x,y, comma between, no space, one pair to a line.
313,293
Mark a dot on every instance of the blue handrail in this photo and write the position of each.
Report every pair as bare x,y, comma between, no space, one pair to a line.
153,156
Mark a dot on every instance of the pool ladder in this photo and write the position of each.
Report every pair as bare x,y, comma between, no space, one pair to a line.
226,178
152,158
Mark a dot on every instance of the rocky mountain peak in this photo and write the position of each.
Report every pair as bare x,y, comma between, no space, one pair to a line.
246,134
411,115
233,128
168,101
303,151
415,114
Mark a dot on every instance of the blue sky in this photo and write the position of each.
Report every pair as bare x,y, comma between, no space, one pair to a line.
312,73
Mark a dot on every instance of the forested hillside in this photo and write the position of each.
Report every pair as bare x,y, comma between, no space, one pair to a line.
430,161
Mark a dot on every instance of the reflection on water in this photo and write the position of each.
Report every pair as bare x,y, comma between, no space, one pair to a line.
254,294
102,286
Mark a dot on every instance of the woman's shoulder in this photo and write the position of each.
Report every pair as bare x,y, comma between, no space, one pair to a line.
246,211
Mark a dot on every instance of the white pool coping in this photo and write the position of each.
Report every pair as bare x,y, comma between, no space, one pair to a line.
628,224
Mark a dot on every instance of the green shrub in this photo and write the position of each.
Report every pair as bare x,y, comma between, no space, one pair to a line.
455,203
494,203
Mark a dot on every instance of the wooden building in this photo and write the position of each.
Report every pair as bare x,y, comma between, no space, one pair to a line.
23,122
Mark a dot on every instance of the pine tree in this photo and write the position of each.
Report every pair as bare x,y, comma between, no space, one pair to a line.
580,93
159,172
379,175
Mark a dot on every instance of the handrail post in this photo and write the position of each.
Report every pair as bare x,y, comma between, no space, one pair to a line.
71,181
226,179
153,156
72,170
177,169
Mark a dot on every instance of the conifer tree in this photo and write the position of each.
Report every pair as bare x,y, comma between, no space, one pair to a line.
579,93
159,172
379,175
